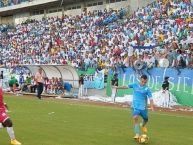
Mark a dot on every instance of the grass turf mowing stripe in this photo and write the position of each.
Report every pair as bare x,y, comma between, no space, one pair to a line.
76,123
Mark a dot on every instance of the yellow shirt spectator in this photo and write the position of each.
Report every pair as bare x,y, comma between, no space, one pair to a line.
161,37
188,20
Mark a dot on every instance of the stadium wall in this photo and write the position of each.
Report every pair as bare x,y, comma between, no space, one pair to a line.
21,17
135,4
181,85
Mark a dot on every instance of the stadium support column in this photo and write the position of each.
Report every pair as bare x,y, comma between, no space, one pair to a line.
63,11
45,14
83,7
105,4
137,4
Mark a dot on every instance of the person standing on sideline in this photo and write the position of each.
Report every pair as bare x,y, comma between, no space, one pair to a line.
13,84
81,86
1,78
165,93
139,104
114,84
6,122
39,78
21,81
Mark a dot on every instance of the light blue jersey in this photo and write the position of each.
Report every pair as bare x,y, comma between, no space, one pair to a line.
140,95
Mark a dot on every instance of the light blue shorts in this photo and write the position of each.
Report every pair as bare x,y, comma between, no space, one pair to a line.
142,113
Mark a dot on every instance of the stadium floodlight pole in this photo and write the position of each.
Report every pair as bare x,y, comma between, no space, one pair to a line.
61,3
137,3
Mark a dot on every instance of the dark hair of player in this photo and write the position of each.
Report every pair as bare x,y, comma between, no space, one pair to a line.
144,77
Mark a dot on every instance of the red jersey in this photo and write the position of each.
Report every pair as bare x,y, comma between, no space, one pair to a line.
3,115
2,106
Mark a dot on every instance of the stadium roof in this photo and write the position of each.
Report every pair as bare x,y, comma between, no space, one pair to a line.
10,10
66,72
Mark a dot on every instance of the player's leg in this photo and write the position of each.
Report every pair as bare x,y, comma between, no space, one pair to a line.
83,93
41,89
9,125
136,114
14,88
1,126
81,90
167,99
162,99
11,87
144,115
38,90
113,94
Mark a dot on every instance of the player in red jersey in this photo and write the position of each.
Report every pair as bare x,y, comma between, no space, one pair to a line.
6,121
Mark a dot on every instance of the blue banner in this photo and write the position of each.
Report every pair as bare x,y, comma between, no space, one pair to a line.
144,47
95,81
180,85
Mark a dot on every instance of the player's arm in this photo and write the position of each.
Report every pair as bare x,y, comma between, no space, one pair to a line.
115,87
149,94
125,87
151,105
121,87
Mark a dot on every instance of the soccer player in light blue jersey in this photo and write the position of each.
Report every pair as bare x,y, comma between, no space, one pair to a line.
139,104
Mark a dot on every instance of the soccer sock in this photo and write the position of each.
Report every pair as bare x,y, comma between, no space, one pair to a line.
136,128
1,126
144,123
10,131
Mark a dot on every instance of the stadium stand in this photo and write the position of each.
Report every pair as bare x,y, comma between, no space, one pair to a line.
5,3
163,29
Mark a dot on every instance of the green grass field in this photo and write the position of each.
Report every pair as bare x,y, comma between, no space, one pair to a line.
57,122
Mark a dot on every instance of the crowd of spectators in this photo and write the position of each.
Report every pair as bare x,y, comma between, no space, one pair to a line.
5,3
163,29
28,84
